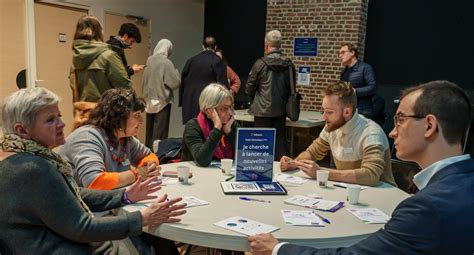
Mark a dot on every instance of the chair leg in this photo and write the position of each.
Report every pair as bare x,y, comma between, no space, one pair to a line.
188,250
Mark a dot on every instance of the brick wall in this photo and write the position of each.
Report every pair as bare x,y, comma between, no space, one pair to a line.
332,22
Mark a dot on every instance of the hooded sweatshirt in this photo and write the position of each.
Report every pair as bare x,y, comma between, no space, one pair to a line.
98,69
160,78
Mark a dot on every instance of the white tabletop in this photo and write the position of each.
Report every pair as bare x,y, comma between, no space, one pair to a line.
307,119
197,224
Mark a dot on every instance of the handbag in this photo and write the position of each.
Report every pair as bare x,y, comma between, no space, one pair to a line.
82,109
293,104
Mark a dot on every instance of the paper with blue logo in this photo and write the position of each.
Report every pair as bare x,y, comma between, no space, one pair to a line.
254,157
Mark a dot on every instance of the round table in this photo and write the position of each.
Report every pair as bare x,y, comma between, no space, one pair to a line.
197,226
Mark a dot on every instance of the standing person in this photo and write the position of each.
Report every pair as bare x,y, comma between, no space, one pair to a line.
198,72
268,87
232,77
95,68
362,77
430,123
127,36
43,209
160,78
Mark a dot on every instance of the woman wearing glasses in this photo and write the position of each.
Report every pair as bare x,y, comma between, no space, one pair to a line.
212,134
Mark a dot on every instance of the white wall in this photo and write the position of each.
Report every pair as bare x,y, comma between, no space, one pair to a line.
181,21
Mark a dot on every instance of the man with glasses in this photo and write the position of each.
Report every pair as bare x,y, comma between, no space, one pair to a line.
430,124
362,77
359,147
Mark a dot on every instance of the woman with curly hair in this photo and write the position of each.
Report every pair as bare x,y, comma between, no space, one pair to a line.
104,152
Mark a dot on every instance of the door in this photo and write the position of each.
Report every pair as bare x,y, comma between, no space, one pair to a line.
138,54
12,45
54,28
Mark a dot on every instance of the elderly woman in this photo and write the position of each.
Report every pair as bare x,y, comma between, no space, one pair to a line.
96,67
212,134
43,209
104,152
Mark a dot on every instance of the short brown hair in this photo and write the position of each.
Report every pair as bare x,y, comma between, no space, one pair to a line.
351,47
89,28
345,92
448,102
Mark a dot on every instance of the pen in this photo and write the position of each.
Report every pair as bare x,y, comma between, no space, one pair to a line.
230,178
339,185
253,199
322,218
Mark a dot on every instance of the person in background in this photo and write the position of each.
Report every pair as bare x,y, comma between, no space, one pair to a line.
430,124
160,78
212,134
95,68
232,77
268,87
198,72
127,36
362,77
359,147
43,209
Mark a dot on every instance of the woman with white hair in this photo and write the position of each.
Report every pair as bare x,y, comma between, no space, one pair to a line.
43,209
212,134
160,78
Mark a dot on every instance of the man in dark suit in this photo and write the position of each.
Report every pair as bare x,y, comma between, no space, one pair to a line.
198,72
430,124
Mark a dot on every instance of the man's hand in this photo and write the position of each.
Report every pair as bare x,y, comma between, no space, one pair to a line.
142,190
163,211
287,164
262,244
137,68
309,167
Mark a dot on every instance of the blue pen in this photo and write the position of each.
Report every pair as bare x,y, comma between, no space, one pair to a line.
322,218
253,199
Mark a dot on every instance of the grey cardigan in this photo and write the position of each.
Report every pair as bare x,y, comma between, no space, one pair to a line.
40,214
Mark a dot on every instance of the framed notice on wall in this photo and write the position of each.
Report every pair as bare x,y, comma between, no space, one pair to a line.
305,46
255,148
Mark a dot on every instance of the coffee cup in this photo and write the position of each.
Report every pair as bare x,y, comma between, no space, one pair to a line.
322,177
353,192
226,165
183,174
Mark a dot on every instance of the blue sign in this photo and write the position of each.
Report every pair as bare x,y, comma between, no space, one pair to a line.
305,46
304,69
254,156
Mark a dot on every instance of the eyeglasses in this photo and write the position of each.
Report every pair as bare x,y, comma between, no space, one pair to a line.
225,108
399,118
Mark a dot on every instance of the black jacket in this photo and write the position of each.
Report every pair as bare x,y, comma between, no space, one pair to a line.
198,72
268,85
118,46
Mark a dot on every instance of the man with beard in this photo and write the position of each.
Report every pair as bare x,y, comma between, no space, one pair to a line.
359,146
430,124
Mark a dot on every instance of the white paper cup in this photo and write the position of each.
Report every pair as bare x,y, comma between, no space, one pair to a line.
322,177
183,174
353,192
227,165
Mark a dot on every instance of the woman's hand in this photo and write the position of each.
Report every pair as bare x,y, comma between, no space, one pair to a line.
142,190
228,126
150,169
214,116
163,211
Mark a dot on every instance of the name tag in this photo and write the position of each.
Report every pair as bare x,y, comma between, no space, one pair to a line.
347,150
